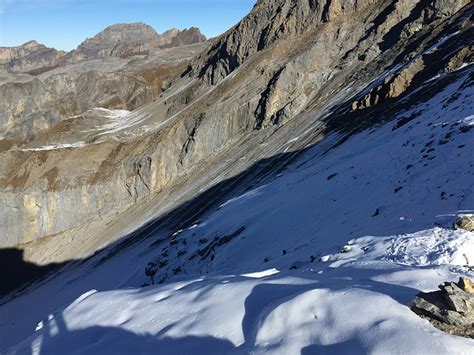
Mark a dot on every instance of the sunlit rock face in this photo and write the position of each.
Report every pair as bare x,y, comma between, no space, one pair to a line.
125,40
122,67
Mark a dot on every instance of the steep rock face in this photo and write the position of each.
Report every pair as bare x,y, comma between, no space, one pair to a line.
8,54
420,69
330,22
291,64
32,104
119,40
31,57
269,22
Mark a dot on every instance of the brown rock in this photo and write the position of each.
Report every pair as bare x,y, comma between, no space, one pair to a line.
334,9
465,223
466,284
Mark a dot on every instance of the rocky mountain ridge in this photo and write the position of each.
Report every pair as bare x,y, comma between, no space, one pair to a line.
126,40
31,57
119,40
122,67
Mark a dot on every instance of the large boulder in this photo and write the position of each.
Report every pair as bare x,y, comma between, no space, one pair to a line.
451,309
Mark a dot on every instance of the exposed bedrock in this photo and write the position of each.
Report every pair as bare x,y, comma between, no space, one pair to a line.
31,104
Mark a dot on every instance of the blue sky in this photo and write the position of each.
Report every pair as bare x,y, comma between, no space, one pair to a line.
63,24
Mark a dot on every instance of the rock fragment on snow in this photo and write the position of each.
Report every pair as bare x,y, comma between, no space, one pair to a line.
451,309
465,222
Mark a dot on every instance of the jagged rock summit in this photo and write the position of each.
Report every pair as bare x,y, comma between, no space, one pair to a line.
30,57
118,40
125,40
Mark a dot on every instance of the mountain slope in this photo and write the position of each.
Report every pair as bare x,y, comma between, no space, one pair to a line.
291,190
235,97
122,67
324,255
30,57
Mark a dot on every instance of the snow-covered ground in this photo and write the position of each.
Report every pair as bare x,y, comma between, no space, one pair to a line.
324,258
55,146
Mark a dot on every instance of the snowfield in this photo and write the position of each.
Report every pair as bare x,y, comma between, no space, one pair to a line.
324,258
358,308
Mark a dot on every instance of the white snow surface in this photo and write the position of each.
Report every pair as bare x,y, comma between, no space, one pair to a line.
325,258
56,146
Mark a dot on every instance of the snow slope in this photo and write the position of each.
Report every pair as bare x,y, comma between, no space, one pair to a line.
323,258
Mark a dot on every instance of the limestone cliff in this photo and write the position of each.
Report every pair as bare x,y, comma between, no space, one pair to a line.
122,67
31,57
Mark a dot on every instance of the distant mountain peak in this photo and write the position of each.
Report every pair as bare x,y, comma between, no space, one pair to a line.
127,39
117,40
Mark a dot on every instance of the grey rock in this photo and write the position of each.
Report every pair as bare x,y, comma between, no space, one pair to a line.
31,57
458,299
450,309
126,40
